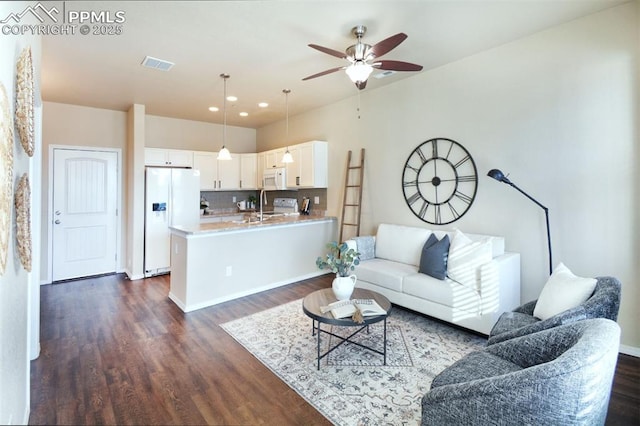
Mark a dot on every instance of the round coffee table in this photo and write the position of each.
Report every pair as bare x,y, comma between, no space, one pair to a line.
312,304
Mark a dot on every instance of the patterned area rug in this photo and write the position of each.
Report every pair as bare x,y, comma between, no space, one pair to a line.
353,387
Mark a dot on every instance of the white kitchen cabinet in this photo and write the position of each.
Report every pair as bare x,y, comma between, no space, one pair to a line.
207,164
168,157
310,165
229,173
260,171
293,169
218,175
248,171
273,158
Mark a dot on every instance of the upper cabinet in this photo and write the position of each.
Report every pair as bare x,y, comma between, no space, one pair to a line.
225,175
168,157
229,173
310,165
273,158
249,171
206,162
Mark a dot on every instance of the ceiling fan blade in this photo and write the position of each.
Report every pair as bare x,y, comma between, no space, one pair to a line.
396,66
388,44
320,74
328,51
361,84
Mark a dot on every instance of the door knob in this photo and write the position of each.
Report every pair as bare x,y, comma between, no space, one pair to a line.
57,222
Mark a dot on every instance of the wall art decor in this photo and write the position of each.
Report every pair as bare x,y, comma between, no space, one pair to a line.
23,221
24,100
6,175
439,181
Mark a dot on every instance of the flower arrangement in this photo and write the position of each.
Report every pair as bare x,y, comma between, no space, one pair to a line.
341,259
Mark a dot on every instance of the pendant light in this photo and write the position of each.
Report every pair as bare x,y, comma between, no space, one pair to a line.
287,157
224,153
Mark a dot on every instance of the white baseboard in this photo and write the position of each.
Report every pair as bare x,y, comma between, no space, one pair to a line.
630,350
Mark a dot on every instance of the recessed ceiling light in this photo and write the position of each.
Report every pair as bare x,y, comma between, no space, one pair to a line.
263,104
232,98
214,109
244,114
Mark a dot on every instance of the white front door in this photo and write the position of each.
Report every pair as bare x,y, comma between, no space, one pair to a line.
84,213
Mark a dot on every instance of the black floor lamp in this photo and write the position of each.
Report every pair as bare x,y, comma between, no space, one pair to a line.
500,177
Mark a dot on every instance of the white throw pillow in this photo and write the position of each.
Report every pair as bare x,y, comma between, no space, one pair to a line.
400,243
466,257
562,291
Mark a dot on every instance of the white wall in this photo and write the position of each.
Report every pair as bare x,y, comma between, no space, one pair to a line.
79,126
17,287
164,132
557,110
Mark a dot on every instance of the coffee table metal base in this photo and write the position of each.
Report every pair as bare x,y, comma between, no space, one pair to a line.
317,330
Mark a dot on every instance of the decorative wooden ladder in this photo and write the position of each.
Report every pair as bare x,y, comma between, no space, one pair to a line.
352,197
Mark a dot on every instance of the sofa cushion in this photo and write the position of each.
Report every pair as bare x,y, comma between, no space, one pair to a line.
445,292
563,291
466,257
400,243
433,260
384,273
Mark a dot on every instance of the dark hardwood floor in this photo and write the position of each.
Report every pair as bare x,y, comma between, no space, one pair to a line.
115,351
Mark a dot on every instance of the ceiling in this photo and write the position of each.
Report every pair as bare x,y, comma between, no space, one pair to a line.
262,45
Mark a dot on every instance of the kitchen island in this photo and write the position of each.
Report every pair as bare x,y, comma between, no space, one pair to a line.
215,262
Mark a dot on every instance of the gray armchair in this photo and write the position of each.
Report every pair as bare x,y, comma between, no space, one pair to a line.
559,376
603,303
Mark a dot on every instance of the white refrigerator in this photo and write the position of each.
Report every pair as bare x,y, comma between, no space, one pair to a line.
172,197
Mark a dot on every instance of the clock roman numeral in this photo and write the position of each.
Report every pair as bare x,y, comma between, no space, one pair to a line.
438,214
422,156
434,148
463,197
415,197
423,209
454,212
410,183
461,162
469,178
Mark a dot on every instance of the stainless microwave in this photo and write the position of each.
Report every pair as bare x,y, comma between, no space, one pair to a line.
274,179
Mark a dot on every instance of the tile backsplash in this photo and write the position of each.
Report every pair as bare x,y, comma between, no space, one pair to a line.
223,200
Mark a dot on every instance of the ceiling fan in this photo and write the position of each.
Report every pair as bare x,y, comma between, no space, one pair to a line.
362,58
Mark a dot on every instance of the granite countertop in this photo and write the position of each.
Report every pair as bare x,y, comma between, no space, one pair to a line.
276,220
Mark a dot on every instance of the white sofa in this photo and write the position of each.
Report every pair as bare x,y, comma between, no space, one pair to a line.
474,303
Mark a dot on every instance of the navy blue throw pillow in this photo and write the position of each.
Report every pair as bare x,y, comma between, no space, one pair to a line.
433,260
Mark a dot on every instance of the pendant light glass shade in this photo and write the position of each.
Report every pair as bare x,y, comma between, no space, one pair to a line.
224,153
287,157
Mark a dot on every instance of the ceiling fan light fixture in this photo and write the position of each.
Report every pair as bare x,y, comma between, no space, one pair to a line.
359,71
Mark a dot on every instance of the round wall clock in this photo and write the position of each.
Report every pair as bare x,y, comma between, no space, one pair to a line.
439,181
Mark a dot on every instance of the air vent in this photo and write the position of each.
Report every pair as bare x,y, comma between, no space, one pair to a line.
384,74
157,64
